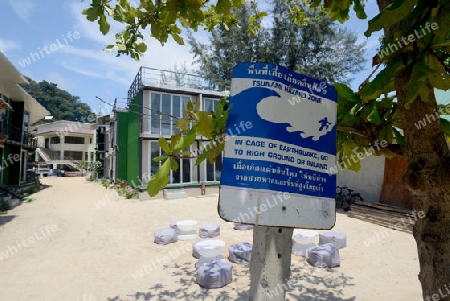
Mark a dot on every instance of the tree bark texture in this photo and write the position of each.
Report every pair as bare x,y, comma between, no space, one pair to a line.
428,178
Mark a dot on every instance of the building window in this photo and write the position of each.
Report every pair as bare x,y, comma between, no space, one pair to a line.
86,157
169,105
209,104
73,140
182,175
55,140
71,155
214,171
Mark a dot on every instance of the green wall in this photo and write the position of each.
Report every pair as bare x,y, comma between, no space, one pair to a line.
128,142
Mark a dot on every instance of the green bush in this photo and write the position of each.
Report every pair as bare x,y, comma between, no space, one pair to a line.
106,182
131,193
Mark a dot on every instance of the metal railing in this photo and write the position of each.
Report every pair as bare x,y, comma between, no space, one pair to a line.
16,135
161,78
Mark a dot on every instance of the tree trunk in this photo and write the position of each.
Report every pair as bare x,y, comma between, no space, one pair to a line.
270,263
428,178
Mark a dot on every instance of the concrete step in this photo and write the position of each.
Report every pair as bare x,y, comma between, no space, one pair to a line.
170,194
13,203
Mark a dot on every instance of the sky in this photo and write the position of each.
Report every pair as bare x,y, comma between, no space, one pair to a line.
51,40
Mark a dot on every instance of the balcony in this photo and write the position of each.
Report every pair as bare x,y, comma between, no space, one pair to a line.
12,135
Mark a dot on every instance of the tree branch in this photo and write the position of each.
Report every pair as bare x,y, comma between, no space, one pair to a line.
352,131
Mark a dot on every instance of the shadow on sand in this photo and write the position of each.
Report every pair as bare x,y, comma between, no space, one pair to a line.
308,284
4,219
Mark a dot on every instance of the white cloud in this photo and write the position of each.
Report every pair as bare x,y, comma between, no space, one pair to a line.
157,56
6,45
23,9
62,82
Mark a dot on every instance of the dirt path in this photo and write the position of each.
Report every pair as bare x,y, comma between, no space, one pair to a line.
79,241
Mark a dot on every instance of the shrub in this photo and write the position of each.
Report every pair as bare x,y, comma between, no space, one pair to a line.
131,193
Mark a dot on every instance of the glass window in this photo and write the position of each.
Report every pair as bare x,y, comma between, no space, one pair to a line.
175,179
55,140
186,167
71,155
176,111
155,117
214,171
185,100
154,152
165,110
73,140
209,171
209,104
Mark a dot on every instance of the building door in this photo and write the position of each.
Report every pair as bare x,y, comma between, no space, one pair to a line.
394,191
46,143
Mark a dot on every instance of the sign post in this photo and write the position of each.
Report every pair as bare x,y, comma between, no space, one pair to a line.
281,143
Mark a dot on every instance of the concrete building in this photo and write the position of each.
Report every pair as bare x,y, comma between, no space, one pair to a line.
18,110
155,100
63,143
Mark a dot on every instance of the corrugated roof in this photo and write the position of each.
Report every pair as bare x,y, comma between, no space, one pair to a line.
67,129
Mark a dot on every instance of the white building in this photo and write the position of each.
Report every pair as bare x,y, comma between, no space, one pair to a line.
65,143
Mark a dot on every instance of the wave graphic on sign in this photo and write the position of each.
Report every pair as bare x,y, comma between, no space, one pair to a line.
304,117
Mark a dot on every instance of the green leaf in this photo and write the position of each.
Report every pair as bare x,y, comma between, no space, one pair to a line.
386,134
177,38
104,25
109,48
391,14
92,13
183,124
351,160
190,106
439,78
373,115
446,126
185,141
160,179
205,125
359,9
173,164
164,145
160,158
398,136
141,47
383,82
440,16
223,6
201,158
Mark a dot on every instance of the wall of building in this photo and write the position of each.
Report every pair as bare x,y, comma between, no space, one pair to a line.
128,144
368,181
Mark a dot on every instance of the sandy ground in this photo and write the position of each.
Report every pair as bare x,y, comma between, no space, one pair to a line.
78,241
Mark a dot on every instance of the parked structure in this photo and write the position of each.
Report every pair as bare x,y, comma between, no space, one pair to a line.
61,144
155,99
18,110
